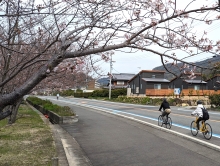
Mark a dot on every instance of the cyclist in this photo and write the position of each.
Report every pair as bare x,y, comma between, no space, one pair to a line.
198,112
166,108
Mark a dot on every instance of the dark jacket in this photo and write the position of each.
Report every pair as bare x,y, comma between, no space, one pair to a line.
164,105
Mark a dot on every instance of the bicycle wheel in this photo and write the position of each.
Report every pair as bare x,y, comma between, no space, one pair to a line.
193,128
169,123
208,131
160,120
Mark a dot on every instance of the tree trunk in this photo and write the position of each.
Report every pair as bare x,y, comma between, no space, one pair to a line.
4,114
14,109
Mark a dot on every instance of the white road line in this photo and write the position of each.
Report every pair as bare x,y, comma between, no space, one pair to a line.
110,111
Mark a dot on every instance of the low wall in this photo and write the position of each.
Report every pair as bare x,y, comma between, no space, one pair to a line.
185,92
53,117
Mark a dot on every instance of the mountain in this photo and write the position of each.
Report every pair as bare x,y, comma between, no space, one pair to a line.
205,63
103,81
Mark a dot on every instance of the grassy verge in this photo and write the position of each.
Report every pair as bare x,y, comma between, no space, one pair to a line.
27,142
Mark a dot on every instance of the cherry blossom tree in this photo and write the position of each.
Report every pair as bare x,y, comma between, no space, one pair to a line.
67,76
40,39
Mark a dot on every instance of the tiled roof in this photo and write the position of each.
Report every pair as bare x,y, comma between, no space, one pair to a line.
122,76
195,81
152,71
155,80
147,71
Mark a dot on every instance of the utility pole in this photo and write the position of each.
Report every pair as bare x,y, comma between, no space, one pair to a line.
110,81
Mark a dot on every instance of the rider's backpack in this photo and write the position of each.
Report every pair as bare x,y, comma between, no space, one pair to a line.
205,114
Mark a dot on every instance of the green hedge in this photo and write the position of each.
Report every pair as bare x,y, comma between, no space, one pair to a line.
78,93
215,99
96,93
139,100
48,105
105,93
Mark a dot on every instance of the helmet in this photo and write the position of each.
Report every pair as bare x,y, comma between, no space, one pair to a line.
199,102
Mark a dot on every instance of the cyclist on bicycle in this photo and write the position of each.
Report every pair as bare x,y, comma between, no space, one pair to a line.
166,108
198,112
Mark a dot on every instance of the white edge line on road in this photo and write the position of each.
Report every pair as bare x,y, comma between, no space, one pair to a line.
201,142
207,144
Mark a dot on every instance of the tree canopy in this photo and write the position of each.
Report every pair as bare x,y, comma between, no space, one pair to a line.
44,39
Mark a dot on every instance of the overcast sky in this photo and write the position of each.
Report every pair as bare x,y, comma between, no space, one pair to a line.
134,62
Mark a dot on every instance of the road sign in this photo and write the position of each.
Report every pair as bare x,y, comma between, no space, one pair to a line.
177,91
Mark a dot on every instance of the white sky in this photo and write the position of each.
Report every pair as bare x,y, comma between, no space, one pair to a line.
134,62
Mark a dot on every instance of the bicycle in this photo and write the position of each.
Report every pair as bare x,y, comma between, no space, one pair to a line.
165,120
206,129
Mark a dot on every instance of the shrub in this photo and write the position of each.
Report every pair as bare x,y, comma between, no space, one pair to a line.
182,94
190,92
48,105
67,93
105,93
39,101
214,99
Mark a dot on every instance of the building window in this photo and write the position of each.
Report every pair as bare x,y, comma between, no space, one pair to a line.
120,82
157,86
196,87
153,76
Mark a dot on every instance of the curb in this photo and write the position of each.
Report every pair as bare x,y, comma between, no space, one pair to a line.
68,151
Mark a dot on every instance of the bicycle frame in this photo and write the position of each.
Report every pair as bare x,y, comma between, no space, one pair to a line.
164,120
205,129
202,128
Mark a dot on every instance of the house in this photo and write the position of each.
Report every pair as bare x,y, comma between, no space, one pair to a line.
148,79
103,81
120,80
184,82
92,85
214,82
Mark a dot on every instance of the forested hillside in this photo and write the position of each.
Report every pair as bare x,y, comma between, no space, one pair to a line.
205,63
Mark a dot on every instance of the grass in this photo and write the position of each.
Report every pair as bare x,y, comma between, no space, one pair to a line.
60,110
28,141
48,105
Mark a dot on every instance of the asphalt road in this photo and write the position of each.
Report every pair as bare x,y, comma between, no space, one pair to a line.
110,140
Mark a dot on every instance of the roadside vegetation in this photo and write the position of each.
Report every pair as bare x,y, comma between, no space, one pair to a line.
141,100
119,95
26,142
104,93
48,105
